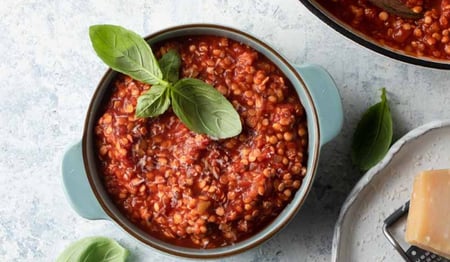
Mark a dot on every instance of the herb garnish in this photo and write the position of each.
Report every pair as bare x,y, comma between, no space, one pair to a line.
94,249
197,104
373,135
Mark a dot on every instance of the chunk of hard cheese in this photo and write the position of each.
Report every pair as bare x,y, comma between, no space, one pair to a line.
428,224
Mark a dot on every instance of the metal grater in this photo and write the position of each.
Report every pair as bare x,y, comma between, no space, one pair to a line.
413,254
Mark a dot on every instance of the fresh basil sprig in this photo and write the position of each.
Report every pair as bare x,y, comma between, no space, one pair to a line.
94,249
373,135
197,104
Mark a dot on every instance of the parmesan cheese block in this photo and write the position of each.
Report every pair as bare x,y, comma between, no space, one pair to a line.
428,224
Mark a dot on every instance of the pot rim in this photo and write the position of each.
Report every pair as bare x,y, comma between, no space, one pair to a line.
238,247
367,42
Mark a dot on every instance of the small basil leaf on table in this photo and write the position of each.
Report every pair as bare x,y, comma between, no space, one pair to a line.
373,135
170,64
126,52
154,102
94,249
204,110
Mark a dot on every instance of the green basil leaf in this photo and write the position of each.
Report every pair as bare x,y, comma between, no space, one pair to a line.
373,135
204,110
94,249
170,64
126,52
154,102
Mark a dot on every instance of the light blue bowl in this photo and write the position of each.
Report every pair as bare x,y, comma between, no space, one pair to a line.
316,90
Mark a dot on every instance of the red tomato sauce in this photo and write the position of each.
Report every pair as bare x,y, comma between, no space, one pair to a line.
424,37
186,188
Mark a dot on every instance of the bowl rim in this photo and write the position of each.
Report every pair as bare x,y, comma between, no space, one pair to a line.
203,254
348,32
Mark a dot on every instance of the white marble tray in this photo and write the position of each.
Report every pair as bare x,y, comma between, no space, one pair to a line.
358,232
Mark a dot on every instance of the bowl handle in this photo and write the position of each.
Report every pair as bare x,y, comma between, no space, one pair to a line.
77,187
326,98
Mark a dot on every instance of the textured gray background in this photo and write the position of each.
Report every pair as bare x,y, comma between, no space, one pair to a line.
48,73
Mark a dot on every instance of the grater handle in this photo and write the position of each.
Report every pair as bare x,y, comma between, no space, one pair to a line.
397,214
391,220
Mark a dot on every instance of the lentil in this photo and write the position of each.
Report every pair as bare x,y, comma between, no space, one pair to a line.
190,190
421,37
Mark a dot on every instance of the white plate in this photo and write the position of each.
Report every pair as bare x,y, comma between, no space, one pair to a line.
358,232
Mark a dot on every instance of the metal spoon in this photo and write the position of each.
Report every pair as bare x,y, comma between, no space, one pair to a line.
397,7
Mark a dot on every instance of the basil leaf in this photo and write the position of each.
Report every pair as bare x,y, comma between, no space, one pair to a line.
198,105
170,64
204,110
94,249
126,52
373,135
154,102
